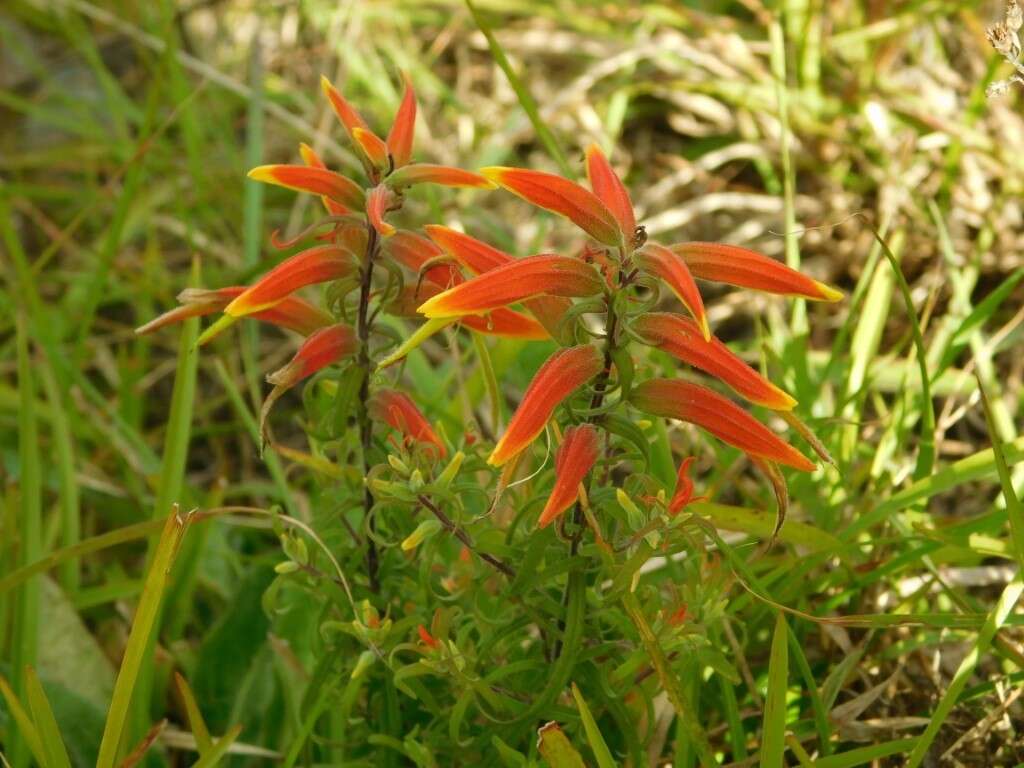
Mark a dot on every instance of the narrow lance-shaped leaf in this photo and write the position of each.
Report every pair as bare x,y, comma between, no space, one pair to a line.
510,283
561,196
292,312
314,265
660,262
400,136
312,159
444,175
399,411
377,204
319,181
683,339
718,415
576,455
560,375
745,268
610,190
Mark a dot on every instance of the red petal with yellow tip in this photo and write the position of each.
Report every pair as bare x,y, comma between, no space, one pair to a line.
400,412
319,181
682,338
372,145
312,159
718,415
499,322
293,313
446,176
658,261
576,455
402,130
745,268
346,113
314,265
561,375
561,196
377,204
478,257
413,251
510,283
610,190
325,346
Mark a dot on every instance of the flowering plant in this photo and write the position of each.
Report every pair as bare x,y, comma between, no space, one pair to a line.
544,590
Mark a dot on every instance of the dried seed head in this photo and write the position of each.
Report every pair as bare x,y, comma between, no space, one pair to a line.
1014,16
1003,39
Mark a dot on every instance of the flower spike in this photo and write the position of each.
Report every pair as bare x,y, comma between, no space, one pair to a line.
560,375
658,261
314,265
510,283
400,137
609,188
681,338
745,268
398,410
561,196
319,181
718,415
445,176
576,455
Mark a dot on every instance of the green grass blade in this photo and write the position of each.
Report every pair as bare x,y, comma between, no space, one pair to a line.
773,732
195,718
64,448
25,650
1007,600
26,728
526,100
46,724
594,737
219,749
146,614
556,749
1014,509
865,755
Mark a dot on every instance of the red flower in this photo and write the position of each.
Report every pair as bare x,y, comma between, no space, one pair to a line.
681,338
561,375
399,412
719,416
660,262
576,455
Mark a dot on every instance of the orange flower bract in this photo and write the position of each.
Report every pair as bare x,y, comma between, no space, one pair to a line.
718,415
560,375
660,262
400,412
314,265
576,455
682,338
610,190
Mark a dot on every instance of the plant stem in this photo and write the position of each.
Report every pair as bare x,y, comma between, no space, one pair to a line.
462,536
363,327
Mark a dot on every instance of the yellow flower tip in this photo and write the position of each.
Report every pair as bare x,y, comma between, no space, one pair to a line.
705,329
325,84
262,173
786,402
494,173
828,293
430,308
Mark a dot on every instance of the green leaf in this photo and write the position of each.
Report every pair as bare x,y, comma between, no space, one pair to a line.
594,737
773,731
555,748
49,732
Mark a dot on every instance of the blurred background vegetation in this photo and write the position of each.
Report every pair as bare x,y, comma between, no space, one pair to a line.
126,130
